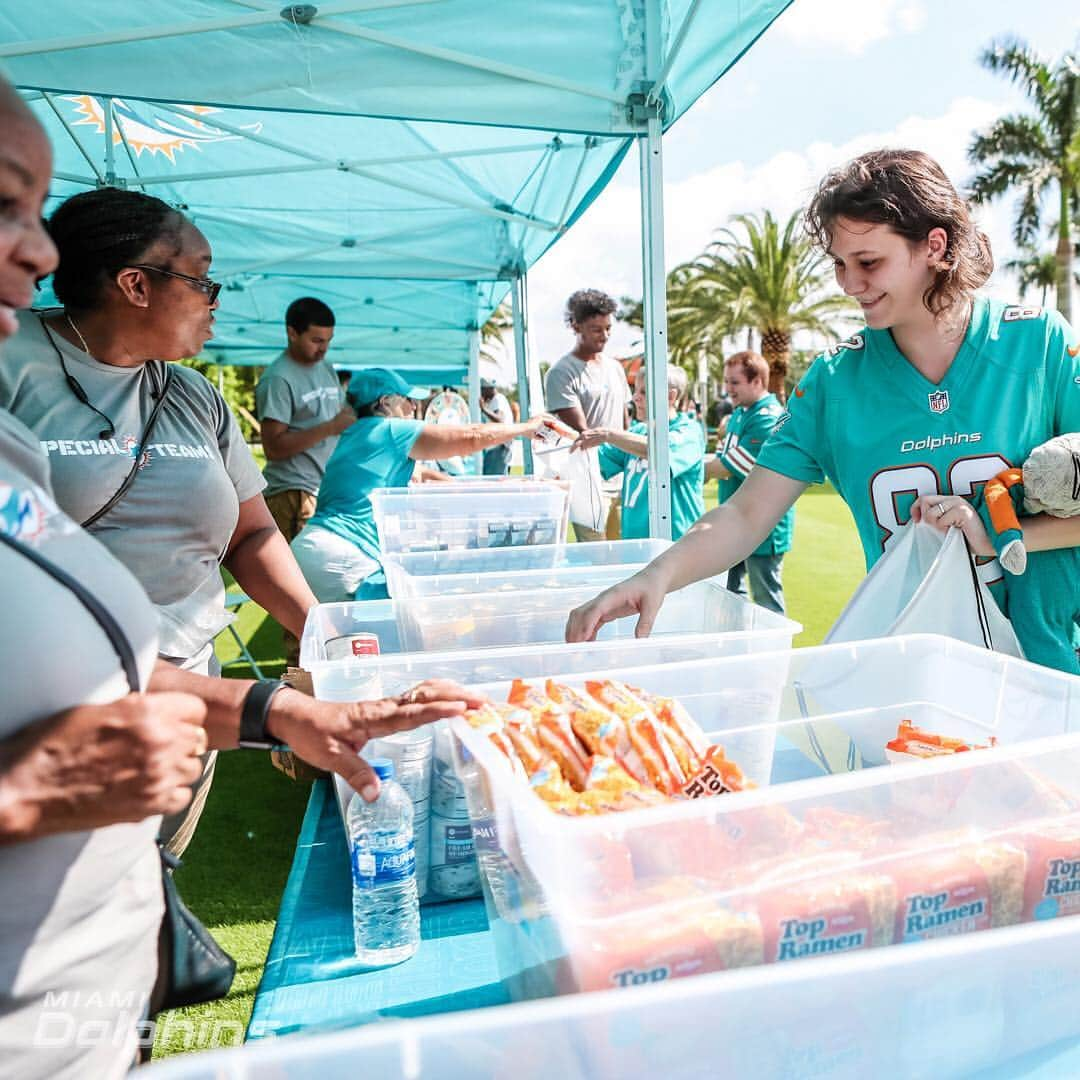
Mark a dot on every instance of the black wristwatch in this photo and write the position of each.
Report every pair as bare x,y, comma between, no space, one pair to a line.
256,708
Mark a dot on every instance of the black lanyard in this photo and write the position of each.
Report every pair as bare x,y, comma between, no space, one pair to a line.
159,401
111,628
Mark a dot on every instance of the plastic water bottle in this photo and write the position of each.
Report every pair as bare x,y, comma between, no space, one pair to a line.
453,872
386,908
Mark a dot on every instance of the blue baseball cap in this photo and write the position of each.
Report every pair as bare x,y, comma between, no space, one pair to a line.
370,384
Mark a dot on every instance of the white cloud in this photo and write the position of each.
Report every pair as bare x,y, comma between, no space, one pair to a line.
603,250
850,25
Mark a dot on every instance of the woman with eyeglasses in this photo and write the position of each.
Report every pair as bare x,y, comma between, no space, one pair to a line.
99,736
143,453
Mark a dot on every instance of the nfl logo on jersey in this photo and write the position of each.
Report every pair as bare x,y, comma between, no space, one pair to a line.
939,401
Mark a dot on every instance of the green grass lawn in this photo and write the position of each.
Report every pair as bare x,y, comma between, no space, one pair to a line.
235,870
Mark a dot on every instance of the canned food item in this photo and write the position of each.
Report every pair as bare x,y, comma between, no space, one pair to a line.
349,645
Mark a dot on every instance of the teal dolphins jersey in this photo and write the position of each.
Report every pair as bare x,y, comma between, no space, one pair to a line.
867,420
748,430
686,458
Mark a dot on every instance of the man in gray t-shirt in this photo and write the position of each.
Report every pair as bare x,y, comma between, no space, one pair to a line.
301,408
587,388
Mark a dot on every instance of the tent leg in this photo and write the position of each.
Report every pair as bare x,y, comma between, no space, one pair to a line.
655,303
521,356
474,390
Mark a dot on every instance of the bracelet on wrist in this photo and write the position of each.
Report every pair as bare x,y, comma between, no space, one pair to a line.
254,714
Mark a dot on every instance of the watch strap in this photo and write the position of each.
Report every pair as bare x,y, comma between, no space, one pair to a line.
253,714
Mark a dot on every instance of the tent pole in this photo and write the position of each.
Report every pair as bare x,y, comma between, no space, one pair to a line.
474,390
110,150
654,281
652,234
521,357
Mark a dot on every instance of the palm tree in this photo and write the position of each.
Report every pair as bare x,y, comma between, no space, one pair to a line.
1033,153
698,320
491,333
765,278
1034,270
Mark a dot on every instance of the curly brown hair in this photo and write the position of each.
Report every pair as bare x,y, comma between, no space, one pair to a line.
908,191
586,303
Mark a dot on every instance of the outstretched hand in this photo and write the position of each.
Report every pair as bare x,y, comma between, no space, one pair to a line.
331,736
639,595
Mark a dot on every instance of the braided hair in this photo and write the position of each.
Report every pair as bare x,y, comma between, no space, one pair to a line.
98,233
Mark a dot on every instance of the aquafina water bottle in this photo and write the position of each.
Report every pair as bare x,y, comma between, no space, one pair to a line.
386,909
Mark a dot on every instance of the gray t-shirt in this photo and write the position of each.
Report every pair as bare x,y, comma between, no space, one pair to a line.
79,912
301,396
172,527
598,386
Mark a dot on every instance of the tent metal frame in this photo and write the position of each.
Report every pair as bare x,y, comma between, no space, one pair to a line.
654,275
323,21
645,113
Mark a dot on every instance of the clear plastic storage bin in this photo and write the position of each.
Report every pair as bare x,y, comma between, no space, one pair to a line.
537,616
475,483
364,677
479,516
1007,1002
441,573
810,863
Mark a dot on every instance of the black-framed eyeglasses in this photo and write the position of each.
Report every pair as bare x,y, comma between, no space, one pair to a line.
211,288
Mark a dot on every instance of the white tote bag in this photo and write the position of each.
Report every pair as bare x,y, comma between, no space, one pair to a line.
581,471
926,584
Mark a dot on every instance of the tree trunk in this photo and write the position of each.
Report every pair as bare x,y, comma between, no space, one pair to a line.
776,348
1064,259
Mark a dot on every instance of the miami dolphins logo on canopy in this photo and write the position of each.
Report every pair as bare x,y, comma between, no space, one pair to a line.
148,131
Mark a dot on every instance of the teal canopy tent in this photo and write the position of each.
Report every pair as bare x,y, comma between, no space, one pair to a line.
583,75
411,232
570,65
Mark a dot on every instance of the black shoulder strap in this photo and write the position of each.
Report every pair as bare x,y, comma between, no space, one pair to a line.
980,604
148,432
110,627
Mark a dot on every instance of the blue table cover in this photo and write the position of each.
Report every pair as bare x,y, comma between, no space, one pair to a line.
312,981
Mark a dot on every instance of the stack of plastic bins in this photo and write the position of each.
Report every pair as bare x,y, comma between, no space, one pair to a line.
441,573
1006,1002
479,516
538,615
798,867
475,483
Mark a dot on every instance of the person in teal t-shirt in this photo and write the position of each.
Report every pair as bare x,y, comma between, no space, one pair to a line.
627,452
746,378
338,549
940,391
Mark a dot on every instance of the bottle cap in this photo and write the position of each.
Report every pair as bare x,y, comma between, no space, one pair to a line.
384,767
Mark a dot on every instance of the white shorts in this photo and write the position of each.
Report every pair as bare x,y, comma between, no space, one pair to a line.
333,566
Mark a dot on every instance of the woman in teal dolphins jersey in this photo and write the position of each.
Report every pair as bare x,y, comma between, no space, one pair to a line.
627,452
941,390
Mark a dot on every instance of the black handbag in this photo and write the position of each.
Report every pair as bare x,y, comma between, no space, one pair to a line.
192,966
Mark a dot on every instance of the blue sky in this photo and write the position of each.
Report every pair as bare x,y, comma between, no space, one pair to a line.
830,79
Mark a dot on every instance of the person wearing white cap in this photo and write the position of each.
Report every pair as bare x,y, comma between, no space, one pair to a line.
338,549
